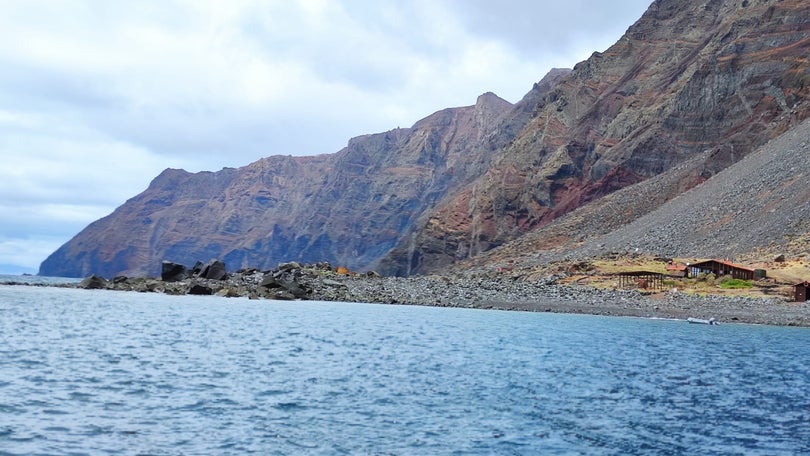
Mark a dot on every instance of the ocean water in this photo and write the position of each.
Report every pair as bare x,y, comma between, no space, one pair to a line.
102,372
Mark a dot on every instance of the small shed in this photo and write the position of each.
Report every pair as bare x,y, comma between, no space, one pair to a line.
721,268
641,279
676,269
800,291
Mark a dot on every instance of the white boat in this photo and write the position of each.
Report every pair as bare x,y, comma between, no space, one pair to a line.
700,321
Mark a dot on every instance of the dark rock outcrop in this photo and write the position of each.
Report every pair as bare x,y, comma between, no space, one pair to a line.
214,270
173,272
200,289
93,282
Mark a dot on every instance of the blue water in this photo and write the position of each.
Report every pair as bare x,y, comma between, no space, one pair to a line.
102,372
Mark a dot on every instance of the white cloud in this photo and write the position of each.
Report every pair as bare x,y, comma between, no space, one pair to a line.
22,255
55,160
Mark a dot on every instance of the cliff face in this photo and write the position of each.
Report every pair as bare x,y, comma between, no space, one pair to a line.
688,77
755,209
691,88
347,208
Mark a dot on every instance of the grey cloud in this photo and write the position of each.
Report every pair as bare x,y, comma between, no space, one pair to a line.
224,136
21,226
359,56
537,27
30,86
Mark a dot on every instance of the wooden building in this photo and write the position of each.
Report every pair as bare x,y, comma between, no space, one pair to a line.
675,269
721,268
644,280
800,291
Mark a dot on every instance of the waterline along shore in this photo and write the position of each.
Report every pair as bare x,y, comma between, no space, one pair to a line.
474,290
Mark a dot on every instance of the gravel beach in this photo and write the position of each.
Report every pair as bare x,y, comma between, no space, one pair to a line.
475,290
517,295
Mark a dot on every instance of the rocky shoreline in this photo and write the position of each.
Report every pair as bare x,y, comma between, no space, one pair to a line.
322,282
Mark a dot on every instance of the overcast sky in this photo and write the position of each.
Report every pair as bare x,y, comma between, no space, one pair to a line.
98,97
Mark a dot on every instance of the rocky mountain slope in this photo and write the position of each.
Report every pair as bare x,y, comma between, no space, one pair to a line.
756,209
690,89
347,208
689,78
759,206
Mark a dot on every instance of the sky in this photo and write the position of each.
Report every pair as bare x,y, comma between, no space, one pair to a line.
98,97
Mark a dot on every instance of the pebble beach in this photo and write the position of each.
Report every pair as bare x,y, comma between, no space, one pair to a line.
479,291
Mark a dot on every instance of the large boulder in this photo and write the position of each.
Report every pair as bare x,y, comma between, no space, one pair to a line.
288,267
278,294
200,289
269,281
284,286
197,268
173,272
214,270
297,289
93,282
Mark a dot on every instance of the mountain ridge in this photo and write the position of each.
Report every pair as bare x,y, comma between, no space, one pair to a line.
283,208
687,91
753,210
684,79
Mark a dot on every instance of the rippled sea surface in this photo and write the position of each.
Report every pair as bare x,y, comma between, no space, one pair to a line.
101,372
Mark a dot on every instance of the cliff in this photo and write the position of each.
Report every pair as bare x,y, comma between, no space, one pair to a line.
691,88
716,77
346,208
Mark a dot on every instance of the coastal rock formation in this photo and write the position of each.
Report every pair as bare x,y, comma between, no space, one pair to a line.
173,272
690,89
483,291
349,208
715,79
93,282
755,209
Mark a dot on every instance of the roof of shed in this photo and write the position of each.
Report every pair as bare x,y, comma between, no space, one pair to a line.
724,262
